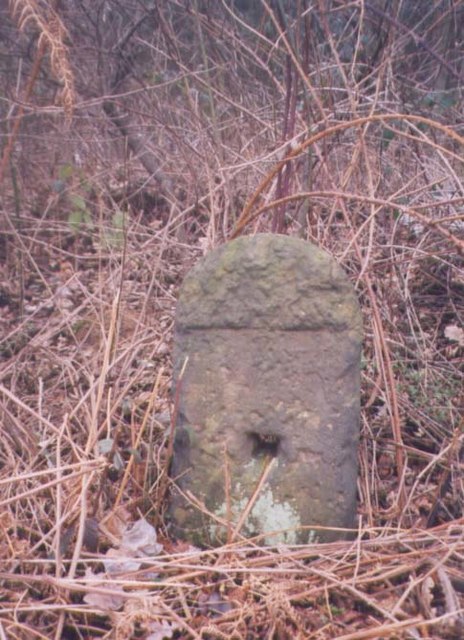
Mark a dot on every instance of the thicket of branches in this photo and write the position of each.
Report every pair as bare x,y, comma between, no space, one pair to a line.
137,135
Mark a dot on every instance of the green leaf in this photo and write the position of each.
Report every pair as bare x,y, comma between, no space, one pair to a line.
85,186
448,100
78,202
443,99
75,220
387,136
118,220
118,462
105,446
65,171
114,235
137,455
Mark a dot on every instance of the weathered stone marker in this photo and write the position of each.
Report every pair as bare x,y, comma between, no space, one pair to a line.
268,337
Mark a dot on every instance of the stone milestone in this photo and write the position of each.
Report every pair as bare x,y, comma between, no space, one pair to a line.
266,374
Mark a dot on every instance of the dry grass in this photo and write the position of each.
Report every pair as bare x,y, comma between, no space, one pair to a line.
244,129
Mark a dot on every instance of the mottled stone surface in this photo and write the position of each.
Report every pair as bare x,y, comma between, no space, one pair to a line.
272,331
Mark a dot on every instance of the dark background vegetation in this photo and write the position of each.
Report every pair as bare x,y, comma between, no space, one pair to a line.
137,135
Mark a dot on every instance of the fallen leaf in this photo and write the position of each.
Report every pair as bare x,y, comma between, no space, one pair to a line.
161,630
140,539
107,597
455,333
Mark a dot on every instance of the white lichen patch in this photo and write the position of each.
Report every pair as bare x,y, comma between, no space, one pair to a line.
268,515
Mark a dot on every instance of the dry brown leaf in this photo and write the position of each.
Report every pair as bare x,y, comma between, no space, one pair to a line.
455,333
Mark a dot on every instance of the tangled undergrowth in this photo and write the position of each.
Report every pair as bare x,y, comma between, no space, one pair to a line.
340,124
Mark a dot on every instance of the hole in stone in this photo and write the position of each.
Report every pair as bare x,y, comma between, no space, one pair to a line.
264,444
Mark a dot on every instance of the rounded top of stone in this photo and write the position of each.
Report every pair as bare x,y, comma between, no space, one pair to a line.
268,281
